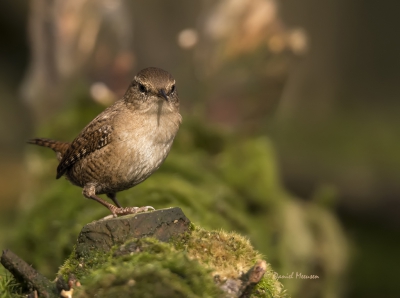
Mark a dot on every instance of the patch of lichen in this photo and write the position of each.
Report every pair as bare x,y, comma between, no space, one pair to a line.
186,267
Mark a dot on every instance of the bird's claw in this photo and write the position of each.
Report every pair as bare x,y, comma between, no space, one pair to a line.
130,210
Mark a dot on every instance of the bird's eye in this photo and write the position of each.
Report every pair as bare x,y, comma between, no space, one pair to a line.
142,88
172,88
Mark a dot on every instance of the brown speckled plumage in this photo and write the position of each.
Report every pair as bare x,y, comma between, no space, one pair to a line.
124,144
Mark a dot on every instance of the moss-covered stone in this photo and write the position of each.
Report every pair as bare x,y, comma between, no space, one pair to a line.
154,269
197,264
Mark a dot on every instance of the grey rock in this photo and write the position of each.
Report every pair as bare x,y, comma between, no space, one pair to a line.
161,224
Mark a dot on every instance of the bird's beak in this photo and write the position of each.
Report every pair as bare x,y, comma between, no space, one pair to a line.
162,94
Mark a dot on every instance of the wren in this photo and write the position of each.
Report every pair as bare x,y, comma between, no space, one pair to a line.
125,144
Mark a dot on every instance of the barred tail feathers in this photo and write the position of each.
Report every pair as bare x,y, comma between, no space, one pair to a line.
59,147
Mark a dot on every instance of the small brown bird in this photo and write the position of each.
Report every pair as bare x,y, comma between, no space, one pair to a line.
124,144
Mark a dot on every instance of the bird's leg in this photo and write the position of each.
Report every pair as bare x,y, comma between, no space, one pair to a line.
89,191
113,197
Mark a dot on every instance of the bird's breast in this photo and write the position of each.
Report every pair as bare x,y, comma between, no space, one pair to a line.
142,151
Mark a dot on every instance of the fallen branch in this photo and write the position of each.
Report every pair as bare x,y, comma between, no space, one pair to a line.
25,274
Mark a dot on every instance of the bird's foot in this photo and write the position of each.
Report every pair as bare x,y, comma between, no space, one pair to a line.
129,210
89,192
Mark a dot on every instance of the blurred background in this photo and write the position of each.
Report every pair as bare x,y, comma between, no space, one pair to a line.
290,135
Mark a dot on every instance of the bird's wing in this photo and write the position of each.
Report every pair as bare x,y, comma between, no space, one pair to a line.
91,139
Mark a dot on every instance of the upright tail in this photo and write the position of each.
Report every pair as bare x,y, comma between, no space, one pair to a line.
58,147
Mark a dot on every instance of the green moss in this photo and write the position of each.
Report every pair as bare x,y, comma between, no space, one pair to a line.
186,267
229,255
9,287
82,266
268,287
226,253
255,159
146,268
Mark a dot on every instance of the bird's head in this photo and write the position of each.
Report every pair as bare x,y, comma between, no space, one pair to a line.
153,89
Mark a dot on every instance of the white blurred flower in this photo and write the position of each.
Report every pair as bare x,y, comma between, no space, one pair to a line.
188,38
